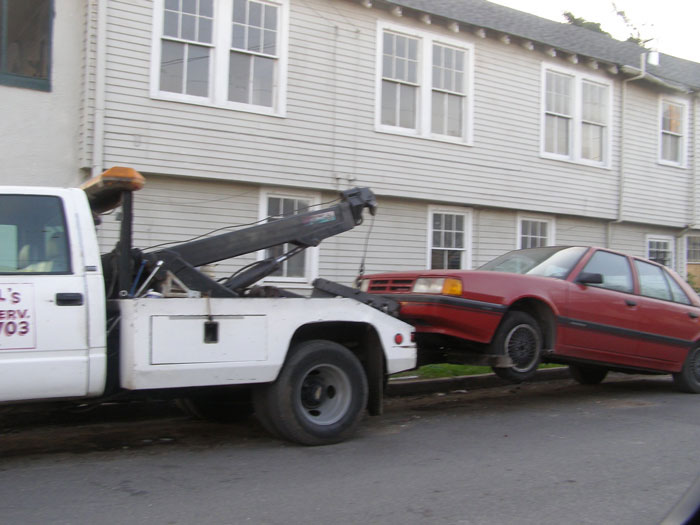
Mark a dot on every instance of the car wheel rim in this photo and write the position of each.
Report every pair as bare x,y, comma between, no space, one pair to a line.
523,346
324,395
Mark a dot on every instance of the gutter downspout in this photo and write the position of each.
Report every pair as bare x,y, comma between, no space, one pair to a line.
100,77
621,178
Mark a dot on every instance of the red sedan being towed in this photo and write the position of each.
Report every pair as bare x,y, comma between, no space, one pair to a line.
591,308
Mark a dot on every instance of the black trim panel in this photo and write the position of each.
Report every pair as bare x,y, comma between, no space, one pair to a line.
624,332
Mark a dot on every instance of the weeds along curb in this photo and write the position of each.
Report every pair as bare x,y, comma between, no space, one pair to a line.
409,387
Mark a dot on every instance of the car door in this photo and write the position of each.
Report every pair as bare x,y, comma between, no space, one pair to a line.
668,318
43,308
601,318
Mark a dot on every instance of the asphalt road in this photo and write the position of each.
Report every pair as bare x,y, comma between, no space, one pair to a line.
555,452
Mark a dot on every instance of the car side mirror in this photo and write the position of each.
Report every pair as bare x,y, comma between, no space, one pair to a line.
590,278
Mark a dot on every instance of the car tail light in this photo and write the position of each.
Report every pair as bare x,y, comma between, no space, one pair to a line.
438,285
398,339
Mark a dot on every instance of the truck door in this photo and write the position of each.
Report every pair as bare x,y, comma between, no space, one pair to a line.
43,301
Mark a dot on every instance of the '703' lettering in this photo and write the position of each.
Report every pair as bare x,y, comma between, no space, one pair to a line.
10,328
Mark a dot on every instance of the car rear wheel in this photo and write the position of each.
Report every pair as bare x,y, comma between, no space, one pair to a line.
688,379
587,374
520,338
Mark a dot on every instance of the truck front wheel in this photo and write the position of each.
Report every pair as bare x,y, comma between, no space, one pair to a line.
318,397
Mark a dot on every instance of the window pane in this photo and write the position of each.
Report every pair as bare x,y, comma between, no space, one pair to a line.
33,235
188,27
670,147
204,34
170,24
239,77
238,37
407,111
389,103
255,14
615,270
254,40
296,265
270,17
197,71
693,253
27,47
269,43
454,115
438,116
263,77
660,251
652,282
592,142
437,260
206,8
172,66
189,6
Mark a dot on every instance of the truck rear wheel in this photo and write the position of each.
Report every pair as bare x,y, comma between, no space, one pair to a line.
318,397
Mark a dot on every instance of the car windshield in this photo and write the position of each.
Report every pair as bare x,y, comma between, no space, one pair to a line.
553,261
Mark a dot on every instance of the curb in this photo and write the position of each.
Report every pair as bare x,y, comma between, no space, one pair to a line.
409,387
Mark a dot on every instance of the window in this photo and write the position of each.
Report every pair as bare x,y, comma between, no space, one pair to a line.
449,236
534,233
672,133
227,53
300,268
615,270
656,282
424,85
576,117
693,249
25,43
32,235
660,250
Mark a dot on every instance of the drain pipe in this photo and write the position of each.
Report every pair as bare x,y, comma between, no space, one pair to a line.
100,77
621,176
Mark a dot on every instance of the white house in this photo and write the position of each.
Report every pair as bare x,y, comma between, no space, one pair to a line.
480,128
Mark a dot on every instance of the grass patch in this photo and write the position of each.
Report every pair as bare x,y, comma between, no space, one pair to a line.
438,370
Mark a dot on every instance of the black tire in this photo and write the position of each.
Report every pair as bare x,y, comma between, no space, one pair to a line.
588,374
688,379
520,338
220,406
318,398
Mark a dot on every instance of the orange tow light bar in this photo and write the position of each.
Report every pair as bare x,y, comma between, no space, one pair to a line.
104,191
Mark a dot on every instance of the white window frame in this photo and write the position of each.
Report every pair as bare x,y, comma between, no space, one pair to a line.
682,162
219,66
662,238
466,261
687,249
551,233
312,254
426,39
575,137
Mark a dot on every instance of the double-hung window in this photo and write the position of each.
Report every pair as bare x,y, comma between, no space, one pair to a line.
534,233
576,117
660,250
302,267
449,235
693,249
226,53
25,43
672,140
424,85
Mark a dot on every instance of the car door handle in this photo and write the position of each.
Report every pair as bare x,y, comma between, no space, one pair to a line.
692,315
629,302
69,299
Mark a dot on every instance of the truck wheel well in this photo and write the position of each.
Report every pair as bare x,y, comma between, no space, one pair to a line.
543,315
362,340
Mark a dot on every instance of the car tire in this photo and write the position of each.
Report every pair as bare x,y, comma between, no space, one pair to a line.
520,338
318,398
587,374
688,379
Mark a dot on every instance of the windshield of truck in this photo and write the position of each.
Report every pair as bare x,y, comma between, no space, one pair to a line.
551,261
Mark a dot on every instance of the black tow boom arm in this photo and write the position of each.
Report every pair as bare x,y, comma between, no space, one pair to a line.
302,230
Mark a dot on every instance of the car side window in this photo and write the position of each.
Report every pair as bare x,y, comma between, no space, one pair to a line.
652,282
32,235
616,271
679,296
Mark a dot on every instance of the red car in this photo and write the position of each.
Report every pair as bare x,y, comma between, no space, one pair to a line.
591,308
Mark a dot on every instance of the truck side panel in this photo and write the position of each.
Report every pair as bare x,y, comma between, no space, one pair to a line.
169,343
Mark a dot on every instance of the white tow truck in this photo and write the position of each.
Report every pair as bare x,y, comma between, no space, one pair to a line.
78,325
